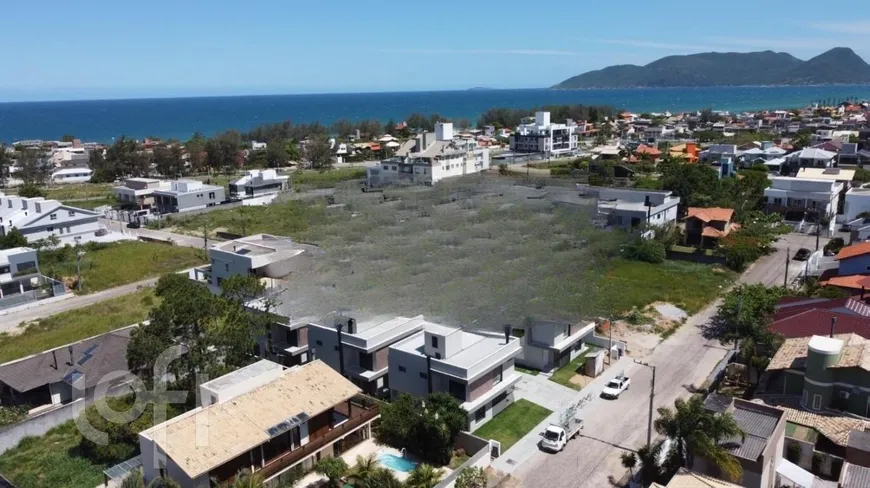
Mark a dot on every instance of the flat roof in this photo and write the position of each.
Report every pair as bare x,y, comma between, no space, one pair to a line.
206,438
476,346
373,329
242,375
829,174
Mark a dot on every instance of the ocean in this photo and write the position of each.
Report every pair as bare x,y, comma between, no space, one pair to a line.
179,118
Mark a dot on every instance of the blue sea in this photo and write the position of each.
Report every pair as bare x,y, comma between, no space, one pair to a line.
179,118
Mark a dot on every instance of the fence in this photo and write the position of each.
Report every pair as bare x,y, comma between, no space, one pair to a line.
480,459
52,288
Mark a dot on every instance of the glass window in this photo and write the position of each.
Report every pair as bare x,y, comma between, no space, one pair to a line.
53,217
817,402
497,375
319,343
72,213
402,369
424,375
480,414
434,341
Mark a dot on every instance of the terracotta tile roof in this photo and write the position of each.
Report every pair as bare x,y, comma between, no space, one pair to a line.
711,214
833,425
644,149
788,306
793,353
853,250
855,282
808,323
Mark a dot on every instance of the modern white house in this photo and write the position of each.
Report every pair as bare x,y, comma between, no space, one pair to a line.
139,192
718,151
540,135
430,158
37,218
359,350
475,367
797,198
257,182
20,279
185,195
547,345
631,208
857,202
266,256
71,175
262,418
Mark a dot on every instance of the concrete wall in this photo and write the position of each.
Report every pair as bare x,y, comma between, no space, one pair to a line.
405,370
480,459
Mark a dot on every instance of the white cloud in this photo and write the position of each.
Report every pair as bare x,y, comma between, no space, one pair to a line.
513,52
858,27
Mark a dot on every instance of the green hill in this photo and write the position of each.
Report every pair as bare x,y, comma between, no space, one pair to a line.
839,65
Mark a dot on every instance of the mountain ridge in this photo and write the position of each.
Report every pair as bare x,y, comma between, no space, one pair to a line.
840,65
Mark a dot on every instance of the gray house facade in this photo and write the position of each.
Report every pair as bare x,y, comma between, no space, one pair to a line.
185,195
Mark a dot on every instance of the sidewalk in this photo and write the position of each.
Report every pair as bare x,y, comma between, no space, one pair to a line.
528,445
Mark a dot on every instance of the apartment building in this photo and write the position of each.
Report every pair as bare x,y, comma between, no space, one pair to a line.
631,208
360,350
540,135
476,368
797,198
81,174
185,195
258,183
139,192
262,418
825,372
430,158
38,218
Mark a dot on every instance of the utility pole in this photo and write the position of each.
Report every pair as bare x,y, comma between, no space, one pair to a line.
739,310
242,214
205,235
652,394
785,278
79,256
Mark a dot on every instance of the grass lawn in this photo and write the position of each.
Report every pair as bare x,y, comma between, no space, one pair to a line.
111,265
74,190
533,372
77,324
284,219
92,204
691,250
564,374
50,461
690,286
326,179
513,423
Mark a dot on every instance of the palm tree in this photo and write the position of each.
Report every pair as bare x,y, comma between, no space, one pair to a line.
384,478
133,480
424,476
648,458
629,461
697,431
364,471
246,479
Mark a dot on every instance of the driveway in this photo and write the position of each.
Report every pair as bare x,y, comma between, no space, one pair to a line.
612,426
177,239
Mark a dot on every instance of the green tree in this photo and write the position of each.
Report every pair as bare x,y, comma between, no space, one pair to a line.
629,461
318,154
335,469
697,185
646,250
747,310
102,173
246,479
424,476
13,238
364,471
276,154
32,168
698,432
31,190
5,162
427,427
384,478
67,138
471,477
167,161
648,457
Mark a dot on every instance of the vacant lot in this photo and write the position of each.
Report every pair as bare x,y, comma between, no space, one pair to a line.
93,202
74,190
480,252
76,325
109,265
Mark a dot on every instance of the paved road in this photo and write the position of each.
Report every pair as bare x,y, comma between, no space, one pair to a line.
684,360
11,319
178,239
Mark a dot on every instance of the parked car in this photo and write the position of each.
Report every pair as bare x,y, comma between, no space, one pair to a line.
802,254
616,386
134,225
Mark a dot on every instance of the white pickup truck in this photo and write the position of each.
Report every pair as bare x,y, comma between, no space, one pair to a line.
616,386
556,436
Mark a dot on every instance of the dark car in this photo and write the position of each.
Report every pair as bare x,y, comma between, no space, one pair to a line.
802,254
133,225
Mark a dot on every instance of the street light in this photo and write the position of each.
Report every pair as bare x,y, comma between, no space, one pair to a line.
652,394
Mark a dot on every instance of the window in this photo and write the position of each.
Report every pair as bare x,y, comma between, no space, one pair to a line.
435,341
457,390
817,402
72,213
402,369
211,195
4,269
49,229
804,398
227,266
497,375
437,355
386,168
777,201
424,375
480,414
53,217
319,343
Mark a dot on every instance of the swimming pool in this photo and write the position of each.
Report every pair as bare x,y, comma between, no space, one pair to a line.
397,463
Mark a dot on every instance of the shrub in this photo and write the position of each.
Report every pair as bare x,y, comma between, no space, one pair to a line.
12,415
793,452
818,461
503,169
646,250
471,477
834,245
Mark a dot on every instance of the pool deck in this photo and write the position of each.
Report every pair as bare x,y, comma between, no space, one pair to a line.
364,449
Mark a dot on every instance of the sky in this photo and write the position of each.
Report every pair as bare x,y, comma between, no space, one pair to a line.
100,49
